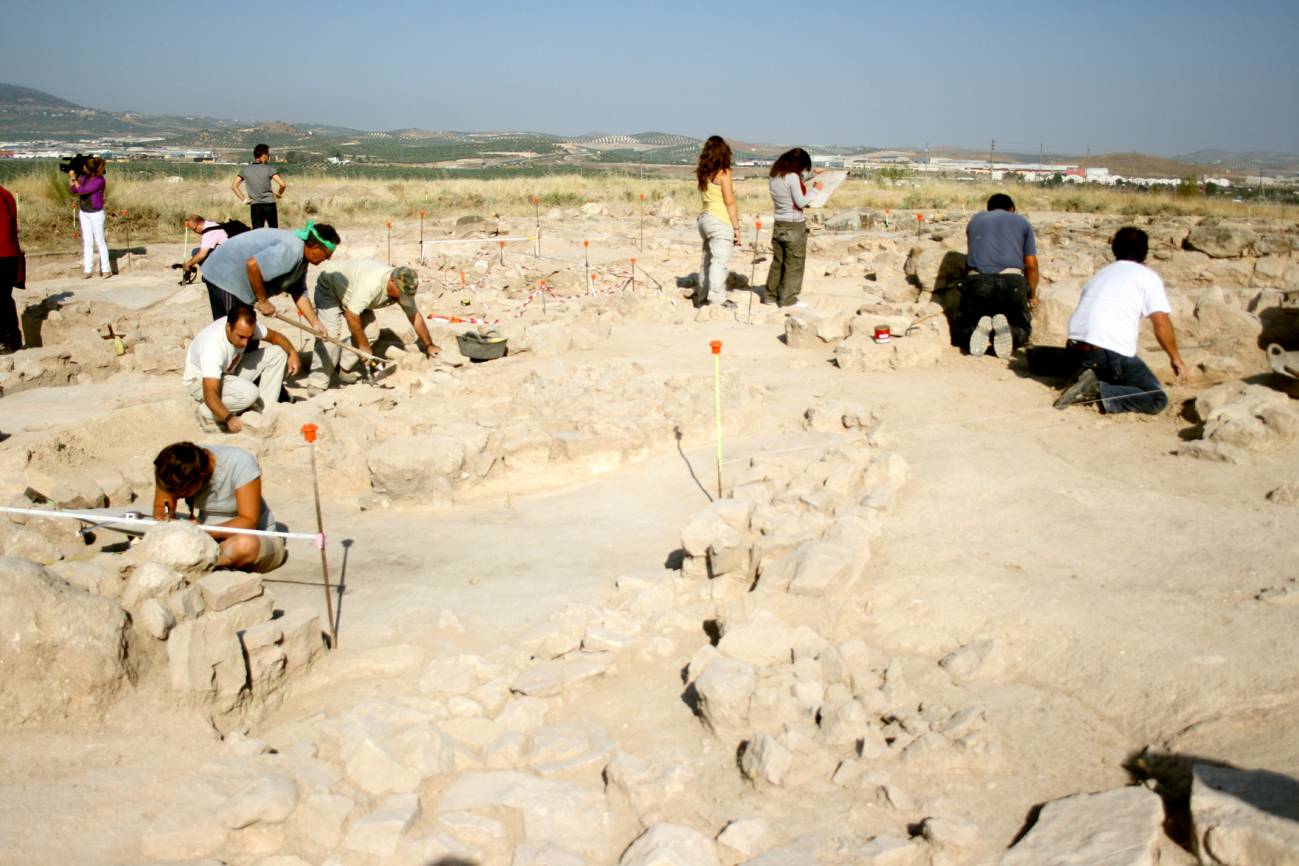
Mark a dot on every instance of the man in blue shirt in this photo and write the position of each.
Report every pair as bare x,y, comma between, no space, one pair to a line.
250,267
1000,287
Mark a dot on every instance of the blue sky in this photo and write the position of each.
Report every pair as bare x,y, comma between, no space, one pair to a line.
1160,77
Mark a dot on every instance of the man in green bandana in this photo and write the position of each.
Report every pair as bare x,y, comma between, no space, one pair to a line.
250,267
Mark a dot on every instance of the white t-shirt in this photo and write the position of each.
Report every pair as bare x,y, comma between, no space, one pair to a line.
1114,302
211,355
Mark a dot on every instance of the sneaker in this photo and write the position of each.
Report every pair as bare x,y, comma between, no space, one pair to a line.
1003,341
206,422
797,305
980,337
729,305
106,274
1083,388
87,275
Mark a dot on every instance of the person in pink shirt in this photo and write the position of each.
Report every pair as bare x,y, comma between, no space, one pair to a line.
90,187
11,336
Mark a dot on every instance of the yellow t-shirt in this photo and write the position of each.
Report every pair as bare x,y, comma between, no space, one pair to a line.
714,203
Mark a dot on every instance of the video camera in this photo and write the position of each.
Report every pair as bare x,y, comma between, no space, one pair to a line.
73,163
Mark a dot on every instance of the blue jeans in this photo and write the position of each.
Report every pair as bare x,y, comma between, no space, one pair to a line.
719,239
1127,385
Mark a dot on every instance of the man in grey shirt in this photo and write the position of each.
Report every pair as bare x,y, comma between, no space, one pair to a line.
1000,287
258,176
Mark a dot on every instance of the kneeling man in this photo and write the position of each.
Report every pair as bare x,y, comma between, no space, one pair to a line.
1104,329
347,294
223,485
228,369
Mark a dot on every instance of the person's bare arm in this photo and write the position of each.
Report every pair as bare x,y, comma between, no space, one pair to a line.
197,259
421,331
357,330
1032,274
275,338
303,303
236,186
1163,326
728,198
283,186
212,399
258,285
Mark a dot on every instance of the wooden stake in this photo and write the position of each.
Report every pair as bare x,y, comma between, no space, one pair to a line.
309,433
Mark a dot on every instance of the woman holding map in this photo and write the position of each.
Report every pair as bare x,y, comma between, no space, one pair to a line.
789,195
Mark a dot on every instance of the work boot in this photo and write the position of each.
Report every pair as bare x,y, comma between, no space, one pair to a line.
1003,341
1083,388
980,337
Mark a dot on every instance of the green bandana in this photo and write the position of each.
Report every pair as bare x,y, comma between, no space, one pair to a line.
310,233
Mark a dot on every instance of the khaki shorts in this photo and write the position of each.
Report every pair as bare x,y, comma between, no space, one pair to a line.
271,554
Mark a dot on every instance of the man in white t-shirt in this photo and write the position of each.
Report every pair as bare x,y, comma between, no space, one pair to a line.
347,294
1104,328
226,377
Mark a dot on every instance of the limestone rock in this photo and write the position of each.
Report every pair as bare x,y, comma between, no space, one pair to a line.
321,816
24,543
670,845
822,568
407,466
155,619
889,851
64,649
149,581
954,834
763,639
1222,240
571,816
766,759
1119,827
223,589
269,799
178,544
934,269
649,789
810,329
965,662
1244,817
744,836
206,660
550,678
380,832
724,688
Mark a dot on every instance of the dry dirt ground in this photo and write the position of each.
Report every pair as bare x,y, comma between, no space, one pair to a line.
1111,583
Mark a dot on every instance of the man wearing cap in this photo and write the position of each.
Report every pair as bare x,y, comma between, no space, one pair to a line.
347,294
250,267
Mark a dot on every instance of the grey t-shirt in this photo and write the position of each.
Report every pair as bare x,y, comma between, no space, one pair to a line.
215,502
257,181
998,239
279,256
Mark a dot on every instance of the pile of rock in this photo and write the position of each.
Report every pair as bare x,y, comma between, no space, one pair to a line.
226,646
918,335
1241,420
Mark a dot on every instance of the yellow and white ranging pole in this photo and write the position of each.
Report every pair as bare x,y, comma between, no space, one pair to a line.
716,346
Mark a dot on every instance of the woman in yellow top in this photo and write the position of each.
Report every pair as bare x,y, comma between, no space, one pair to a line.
719,224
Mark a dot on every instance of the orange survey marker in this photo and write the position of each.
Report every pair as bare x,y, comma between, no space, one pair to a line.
716,346
309,434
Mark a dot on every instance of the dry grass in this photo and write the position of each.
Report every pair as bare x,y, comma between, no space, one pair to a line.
151,210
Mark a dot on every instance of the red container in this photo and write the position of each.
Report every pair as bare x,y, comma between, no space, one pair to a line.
882,334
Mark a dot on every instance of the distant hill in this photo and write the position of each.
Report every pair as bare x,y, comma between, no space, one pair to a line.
1143,165
29,114
13,96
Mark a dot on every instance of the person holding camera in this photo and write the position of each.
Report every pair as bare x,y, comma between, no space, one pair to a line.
89,185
